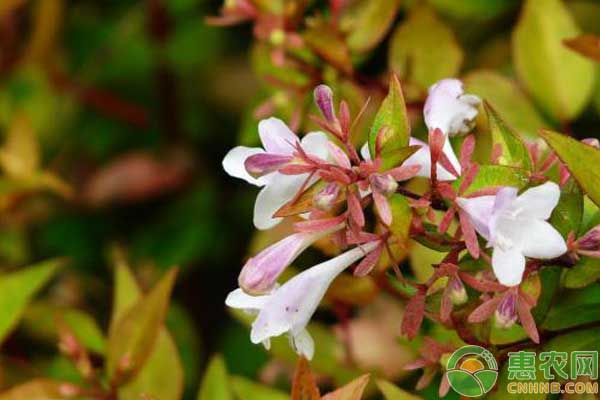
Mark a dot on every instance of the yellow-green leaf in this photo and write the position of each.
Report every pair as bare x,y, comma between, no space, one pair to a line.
582,160
134,335
514,151
161,377
162,374
401,217
508,99
370,21
40,321
18,288
584,273
37,389
490,176
19,156
411,56
393,117
215,384
393,392
560,80
245,389
352,391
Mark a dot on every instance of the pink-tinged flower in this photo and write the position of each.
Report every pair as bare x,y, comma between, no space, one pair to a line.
289,308
259,275
279,144
422,159
516,227
448,108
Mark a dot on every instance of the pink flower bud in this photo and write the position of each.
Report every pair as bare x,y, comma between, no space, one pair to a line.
326,198
383,183
259,275
592,142
324,99
264,163
458,293
506,312
591,240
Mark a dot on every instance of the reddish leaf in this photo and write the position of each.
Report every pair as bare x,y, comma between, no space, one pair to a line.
469,234
587,45
413,315
484,311
304,386
524,311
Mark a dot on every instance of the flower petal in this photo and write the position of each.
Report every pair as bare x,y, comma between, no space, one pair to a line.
315,143
234,164
539,201
276,137
303,344
448,109
539,239
365,153
292,305
508,265
239,299
422,157
280,190
480,211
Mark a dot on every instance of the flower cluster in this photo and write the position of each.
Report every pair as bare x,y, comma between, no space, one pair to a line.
328,185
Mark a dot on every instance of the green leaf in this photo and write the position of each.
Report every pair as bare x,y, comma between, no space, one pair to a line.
580,159
508,99
264,67
18,288
393,158
393,392
162,374
560,80
584,273
490,176
473,9
568,213
581,340
393,116
499,336
402,217
550,284
215,384
501,392
370,22
40,321
573,308
514,151
247,390
410,54
134,335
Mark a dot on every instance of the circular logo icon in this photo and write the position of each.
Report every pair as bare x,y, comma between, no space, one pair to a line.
472,371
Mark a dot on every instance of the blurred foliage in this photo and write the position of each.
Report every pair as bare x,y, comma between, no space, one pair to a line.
114,118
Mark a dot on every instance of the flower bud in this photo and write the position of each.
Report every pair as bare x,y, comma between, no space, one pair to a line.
506,313
383,183
264,163
325,199
591,240
458,293
324,99
592,142
259,275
